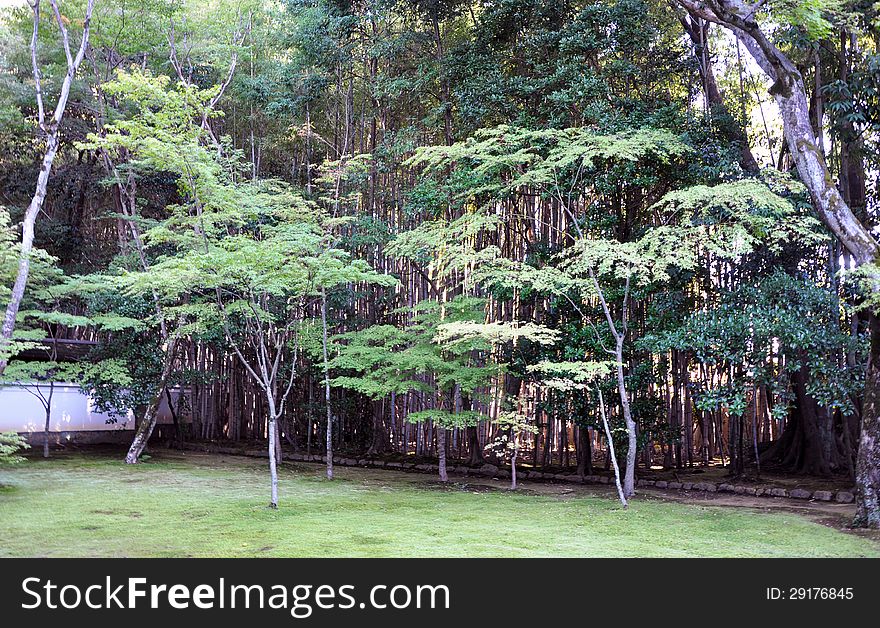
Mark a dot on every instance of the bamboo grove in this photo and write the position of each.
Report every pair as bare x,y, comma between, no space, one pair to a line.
613,233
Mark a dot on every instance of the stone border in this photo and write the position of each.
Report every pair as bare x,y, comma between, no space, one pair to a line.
492,471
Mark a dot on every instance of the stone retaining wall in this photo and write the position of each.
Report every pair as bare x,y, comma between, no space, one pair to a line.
492,471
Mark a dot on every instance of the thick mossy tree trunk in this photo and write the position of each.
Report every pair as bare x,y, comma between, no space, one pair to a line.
868,460
803,446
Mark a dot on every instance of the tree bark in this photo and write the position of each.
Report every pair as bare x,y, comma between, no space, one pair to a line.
629,480
868,460
378,433
441,453
698,31
271,428
585,453
27,245
621,490
151,415
475,452
513,465
48,418
329,434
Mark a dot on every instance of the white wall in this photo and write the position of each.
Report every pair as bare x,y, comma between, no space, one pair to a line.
72,411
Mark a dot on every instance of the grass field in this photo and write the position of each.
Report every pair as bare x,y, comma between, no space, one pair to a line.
199,505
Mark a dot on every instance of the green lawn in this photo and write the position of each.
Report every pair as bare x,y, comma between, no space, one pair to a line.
196,505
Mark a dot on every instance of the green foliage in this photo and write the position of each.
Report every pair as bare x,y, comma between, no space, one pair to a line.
501,159
780,316
864,280
33,373
385,359
10,444
568,376
815,17
495,333
45,281
742,215
512,422
246,241
445,418
554,158
448,247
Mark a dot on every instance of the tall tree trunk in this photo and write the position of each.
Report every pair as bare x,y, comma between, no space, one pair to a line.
441,453
629,480
790,95
378,433
868,460
585,452
27,245
698,32
309,416
475,452
48,418
513,464
271,428
329,434
278,453
445,91
621,490
151,414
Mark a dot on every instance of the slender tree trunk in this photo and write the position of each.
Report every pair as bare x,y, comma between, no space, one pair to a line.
629,481
755,432
48,418
309,416
621,492
441,453
329,435
148,423
273,464
178,434
513,465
